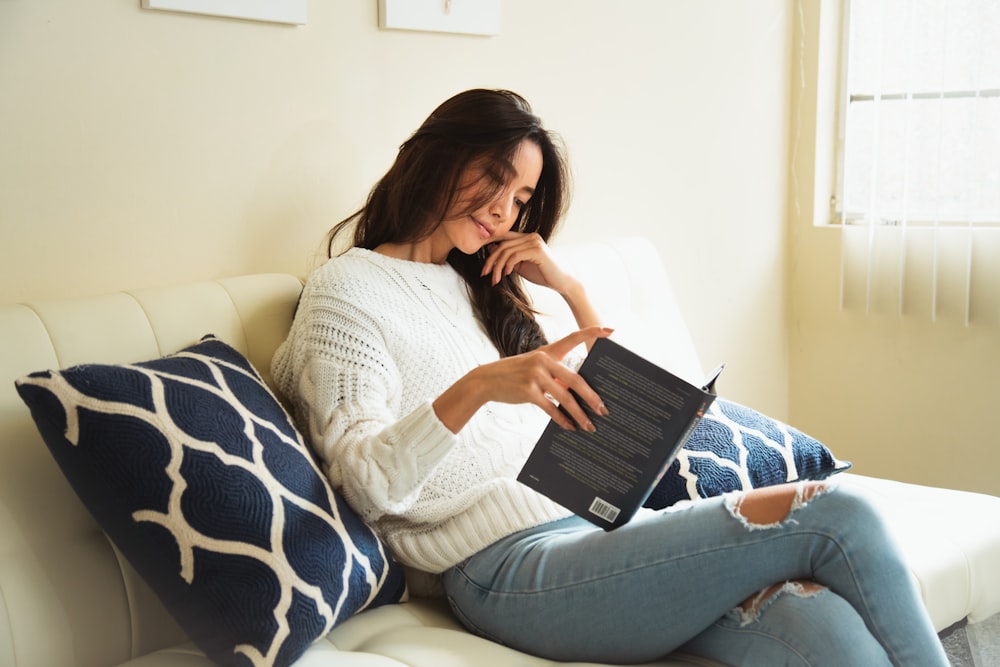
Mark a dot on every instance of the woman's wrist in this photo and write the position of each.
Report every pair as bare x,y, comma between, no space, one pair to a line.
459,402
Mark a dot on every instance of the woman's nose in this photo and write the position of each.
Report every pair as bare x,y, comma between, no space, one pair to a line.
500,209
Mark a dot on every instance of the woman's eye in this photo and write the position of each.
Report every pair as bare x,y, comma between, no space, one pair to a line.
519,203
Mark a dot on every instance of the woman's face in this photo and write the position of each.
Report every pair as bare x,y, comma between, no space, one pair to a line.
469,228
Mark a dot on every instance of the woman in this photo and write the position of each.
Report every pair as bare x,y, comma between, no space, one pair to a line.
422,379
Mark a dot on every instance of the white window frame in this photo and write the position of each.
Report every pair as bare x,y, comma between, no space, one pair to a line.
838,216
915,272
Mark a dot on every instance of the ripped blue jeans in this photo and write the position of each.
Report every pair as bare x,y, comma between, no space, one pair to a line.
822,585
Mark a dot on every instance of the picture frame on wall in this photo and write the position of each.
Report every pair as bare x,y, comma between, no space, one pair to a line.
469,17
274,11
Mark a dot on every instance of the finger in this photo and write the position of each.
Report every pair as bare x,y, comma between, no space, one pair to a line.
556,414
561,347
506,254
499,271
572,388
568,405
498,245
505,259
568,388
491,258
494,265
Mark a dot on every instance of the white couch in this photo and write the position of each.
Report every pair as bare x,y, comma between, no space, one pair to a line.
67,598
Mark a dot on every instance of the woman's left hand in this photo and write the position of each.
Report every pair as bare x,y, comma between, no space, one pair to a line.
528,255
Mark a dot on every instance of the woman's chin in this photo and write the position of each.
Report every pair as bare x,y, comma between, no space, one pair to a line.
471,247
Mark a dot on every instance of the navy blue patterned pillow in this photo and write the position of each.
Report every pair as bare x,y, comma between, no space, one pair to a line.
737,448
197,474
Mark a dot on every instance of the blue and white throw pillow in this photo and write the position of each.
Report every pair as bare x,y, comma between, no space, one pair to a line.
736,448
197,474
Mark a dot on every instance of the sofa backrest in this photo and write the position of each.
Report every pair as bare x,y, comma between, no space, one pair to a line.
628,282
67,599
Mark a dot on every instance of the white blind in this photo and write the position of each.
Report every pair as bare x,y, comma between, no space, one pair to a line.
920,138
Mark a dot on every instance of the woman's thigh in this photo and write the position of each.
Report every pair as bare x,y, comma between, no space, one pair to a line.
571,591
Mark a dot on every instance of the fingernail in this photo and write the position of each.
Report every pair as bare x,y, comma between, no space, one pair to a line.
607,329
589,426
602,410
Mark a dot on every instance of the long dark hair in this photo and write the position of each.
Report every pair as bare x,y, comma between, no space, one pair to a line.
481,127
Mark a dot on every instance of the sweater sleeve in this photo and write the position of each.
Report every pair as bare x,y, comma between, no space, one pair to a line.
345,386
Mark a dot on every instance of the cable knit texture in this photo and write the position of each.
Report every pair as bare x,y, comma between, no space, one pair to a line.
374,342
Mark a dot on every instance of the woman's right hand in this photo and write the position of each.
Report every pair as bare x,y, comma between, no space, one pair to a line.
538,377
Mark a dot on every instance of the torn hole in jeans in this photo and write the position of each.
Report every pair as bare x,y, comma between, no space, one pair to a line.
753,607
803,494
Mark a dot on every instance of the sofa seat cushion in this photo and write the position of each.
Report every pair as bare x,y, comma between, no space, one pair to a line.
418,633
951,542
199,477
950,539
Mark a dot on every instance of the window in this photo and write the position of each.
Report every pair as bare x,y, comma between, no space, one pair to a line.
920,125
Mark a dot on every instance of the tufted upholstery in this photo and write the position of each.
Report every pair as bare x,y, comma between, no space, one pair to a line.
67,599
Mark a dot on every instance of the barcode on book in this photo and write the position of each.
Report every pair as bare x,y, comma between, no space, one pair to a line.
604,509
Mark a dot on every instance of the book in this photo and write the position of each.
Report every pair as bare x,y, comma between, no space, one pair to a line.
606,476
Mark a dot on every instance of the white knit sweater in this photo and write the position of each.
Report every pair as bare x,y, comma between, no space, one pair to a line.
374,342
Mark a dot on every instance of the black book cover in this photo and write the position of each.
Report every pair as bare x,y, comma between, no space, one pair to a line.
606,476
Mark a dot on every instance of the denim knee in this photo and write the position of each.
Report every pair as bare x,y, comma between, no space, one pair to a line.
793,628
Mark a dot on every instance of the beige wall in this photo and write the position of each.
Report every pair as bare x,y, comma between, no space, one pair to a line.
140,147
902,395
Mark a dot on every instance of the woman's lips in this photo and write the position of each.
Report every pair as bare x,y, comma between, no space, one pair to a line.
484,231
